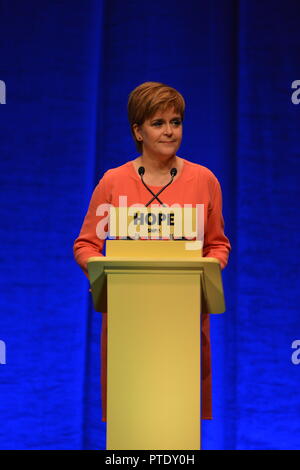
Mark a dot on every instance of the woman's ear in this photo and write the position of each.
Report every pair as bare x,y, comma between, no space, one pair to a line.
136,131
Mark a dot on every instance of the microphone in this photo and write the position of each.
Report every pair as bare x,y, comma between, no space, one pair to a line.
141,171
173,173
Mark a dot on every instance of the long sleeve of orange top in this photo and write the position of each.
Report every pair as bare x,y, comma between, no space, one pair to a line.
216,244
88,243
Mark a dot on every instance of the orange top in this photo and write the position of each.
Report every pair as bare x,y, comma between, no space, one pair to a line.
195,184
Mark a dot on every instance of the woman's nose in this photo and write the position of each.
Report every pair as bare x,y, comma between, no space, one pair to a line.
168,129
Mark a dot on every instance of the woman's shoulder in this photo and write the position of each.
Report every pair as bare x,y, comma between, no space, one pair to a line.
119,172
197,170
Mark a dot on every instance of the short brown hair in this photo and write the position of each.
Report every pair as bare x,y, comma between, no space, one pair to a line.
149,97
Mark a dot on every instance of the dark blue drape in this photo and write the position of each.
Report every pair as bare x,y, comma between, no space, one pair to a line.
68,69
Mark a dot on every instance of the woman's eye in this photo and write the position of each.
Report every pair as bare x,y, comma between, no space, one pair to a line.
177,122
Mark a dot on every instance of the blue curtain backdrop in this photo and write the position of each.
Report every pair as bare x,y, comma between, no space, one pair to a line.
68,68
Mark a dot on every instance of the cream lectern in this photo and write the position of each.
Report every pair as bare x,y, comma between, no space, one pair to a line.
153,292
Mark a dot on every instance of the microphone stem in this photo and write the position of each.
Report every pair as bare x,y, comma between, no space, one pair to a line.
162,189
154,195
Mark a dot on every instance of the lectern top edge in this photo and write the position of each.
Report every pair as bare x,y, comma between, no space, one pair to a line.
144,258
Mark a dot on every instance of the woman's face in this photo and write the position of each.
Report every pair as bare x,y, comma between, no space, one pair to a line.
161,134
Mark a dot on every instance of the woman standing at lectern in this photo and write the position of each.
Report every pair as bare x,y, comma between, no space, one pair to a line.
156,114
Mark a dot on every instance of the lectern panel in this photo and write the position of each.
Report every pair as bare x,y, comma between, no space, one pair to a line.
154,361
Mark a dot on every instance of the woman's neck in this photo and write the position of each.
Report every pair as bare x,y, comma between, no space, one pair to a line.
155,166
158,171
